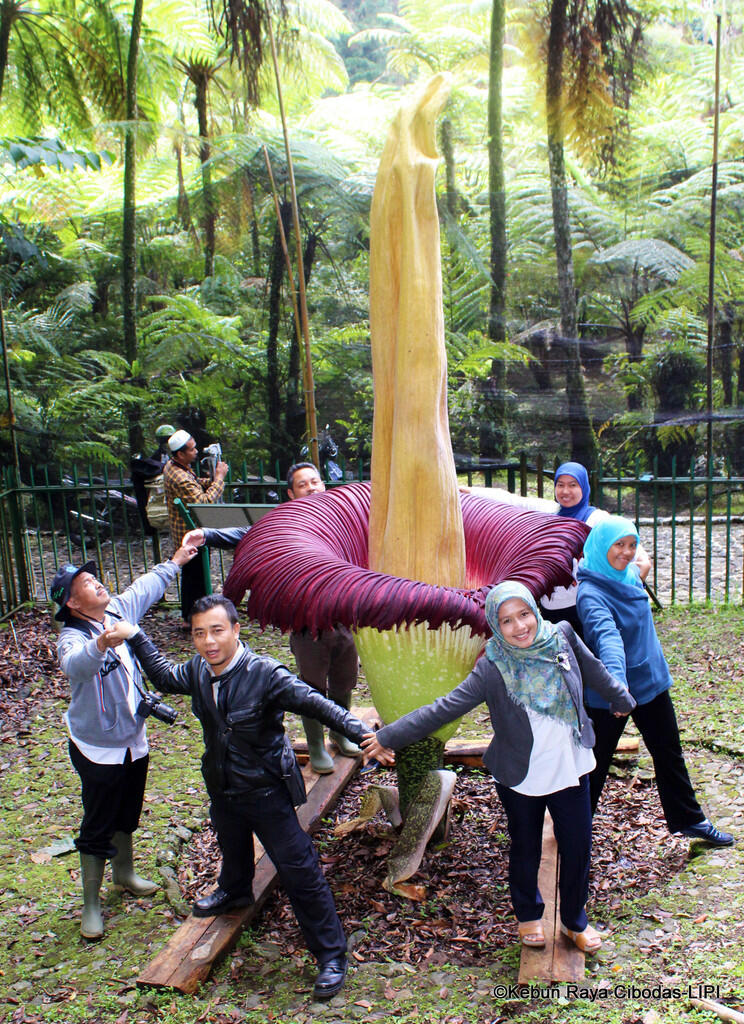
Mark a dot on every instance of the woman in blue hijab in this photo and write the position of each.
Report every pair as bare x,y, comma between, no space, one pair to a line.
540,752
571,486
619,628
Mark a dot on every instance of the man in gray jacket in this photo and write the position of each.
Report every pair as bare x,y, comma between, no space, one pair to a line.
108,739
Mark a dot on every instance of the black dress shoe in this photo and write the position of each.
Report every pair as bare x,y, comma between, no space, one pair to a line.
708,832
219,902
331,977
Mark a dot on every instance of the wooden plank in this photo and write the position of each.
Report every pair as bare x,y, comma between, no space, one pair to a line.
200,942
537,964
560,960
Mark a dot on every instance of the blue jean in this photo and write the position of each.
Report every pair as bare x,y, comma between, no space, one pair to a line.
572,823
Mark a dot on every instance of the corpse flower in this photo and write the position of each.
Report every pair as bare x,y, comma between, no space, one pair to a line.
406,561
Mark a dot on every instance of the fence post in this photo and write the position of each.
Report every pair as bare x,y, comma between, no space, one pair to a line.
674,529
523,474
709,530
17,529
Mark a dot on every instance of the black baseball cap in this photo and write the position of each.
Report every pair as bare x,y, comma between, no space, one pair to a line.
62,583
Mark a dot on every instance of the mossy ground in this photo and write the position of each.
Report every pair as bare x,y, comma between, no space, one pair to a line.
689,933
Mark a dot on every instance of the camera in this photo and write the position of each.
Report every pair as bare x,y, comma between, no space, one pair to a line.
211,455
151,704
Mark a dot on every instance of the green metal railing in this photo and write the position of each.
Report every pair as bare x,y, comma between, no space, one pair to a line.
692,523
56,516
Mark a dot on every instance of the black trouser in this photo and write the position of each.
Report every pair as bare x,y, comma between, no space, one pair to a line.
112,800
572,824
192,584
270,815
657,725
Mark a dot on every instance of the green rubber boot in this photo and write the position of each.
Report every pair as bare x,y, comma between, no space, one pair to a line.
122,868
345,746
320,759
91,869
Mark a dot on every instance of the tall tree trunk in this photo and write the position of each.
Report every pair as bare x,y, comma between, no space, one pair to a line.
448,154
724,354
182,204
128,240
583,441
250,207
494,427
273,396
295,420
7,17
634,350
201,83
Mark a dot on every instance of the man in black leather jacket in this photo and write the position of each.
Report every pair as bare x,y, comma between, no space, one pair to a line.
251,773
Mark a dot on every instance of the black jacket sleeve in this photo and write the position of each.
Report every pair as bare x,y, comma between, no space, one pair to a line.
163,674
289,693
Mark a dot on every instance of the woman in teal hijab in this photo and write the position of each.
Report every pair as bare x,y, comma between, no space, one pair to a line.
540,752
619,628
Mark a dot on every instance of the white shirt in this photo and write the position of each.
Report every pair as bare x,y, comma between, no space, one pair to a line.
233,661
557,761
140,747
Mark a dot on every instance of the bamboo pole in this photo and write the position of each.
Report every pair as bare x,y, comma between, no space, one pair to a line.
309,385
711,316
9,393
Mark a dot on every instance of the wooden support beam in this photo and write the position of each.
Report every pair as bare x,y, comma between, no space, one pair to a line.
559,960
200,942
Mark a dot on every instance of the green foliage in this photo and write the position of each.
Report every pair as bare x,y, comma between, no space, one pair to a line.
639,230
51,153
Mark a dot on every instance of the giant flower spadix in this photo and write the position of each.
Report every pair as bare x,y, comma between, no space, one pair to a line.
404,564
306,565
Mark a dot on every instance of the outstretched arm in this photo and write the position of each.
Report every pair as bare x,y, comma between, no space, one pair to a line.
292,694
601,633
595,675
150,587
163,674
424,721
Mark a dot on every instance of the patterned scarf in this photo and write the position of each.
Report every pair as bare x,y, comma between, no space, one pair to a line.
532,675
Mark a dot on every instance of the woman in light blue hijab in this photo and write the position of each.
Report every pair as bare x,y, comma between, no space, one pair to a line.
619,628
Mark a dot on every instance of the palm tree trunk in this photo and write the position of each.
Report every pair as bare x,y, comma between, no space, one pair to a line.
583,441
273,396
128,240
201,83
494,438
294,417
7,17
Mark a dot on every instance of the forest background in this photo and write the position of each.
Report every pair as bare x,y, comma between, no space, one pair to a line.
141,271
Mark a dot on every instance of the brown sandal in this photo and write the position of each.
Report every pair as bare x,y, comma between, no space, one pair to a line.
589,941
531,934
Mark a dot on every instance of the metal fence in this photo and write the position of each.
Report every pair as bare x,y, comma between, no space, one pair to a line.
691,523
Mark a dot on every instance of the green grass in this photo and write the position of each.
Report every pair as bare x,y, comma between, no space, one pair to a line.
47,973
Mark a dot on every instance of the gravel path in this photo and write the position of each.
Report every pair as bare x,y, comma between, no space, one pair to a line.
671,548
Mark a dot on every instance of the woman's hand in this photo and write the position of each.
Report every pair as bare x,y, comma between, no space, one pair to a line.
373,749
